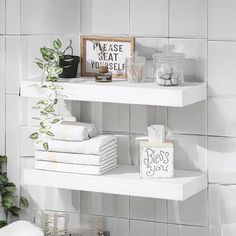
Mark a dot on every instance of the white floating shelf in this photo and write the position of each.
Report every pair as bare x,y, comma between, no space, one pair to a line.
148,93
125,180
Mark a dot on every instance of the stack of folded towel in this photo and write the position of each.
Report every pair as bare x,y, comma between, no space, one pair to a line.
75,148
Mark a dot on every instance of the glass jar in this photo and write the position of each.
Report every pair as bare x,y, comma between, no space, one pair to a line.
135,69
168,67
103,75
56,224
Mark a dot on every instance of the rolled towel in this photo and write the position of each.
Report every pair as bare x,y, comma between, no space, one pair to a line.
69,131
92,129
78,169
97,145
21,228
76,158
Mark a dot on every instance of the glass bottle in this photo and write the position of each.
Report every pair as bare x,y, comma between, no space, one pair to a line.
103,75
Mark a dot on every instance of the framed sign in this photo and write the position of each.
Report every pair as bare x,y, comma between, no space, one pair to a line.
105,51
156,160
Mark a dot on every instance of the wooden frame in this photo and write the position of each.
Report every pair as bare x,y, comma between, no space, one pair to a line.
83,51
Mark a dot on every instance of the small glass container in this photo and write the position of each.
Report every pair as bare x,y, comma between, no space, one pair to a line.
56,224
135,69
168,67
103,75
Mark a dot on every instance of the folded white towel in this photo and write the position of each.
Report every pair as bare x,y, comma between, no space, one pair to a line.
76,158
78,169
69,131
97,145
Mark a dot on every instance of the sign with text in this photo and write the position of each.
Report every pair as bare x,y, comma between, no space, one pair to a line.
156,160
105,51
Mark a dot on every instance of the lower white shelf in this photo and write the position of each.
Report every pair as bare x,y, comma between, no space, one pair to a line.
125,180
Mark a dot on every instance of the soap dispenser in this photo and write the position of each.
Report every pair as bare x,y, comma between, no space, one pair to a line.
156,154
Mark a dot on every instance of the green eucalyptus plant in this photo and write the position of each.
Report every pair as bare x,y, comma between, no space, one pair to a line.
7,193
50,64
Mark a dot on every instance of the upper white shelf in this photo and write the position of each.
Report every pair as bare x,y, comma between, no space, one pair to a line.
148,93
125,180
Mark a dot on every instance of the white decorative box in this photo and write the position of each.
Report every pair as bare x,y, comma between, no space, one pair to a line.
156,159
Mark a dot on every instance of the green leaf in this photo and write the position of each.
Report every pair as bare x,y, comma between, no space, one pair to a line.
49,133
7,204
10,187
44,102
49,109
57,44
3,223
36,118
40,64
3,159
3,179
51,79
7,200
42,124
15,211
36,107
52,87
38,59
34,135
55,121
39,141
46,58
24,202
44,51
58,70
43,130
45,146
43,113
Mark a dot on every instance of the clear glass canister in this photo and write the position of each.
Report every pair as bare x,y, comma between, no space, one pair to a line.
135,69
168,67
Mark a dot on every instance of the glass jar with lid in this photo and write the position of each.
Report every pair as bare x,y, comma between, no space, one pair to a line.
168,67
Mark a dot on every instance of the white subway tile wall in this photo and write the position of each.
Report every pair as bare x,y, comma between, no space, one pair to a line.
12,61
182,212
109,205
221,160
145,13
204,134
221,20
221,68
188,18
106,17
12,17
2,16
188,120
58,16
2,91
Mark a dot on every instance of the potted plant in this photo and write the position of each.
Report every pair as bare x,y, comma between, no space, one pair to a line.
51,64
69,63
7,194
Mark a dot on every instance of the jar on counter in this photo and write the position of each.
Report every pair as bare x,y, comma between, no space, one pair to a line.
135,69
168,67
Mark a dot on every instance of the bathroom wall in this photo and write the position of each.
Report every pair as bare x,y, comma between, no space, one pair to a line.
204,133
